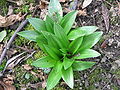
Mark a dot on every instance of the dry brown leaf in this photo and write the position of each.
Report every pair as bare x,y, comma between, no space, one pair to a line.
38,85
31,7
10,10
62,0
5,86
9,79
27,67
118,7
86,3
1,48
9,20
105,14
43,4
82,13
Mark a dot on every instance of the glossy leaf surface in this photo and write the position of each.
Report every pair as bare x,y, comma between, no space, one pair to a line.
54,7
82,65
29,34
68,20
59,32
75,44
67,76
44,62
87,53
38,24
2,35
53,79
90,40
67,63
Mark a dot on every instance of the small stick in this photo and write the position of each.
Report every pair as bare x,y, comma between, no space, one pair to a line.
11,39
108,83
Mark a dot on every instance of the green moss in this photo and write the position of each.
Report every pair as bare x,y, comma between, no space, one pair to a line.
20,41
114,87
29,61
24,77
29,27
29,1
3,7
58,88
93,78
23,9
117,72
39,55
3,65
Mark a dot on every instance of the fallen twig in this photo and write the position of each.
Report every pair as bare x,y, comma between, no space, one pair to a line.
108,82
11,39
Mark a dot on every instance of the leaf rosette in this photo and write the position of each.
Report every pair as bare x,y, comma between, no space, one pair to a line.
63,45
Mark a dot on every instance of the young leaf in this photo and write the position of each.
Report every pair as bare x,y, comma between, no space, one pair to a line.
67,76
68,20
53,79
54,7
58,66
82,65
87,53
51,39
67,63
90,40
88,29
41,40
44,62
59,32
49,24
2,35
74,34
81,31
75,44
53,52
29,34
38,24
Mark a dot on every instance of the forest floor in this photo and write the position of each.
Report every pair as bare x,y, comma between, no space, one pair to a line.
16,66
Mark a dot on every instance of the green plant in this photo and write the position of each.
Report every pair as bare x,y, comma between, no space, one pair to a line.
2,35
64,47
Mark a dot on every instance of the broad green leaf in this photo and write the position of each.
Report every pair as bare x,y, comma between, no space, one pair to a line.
74,34
88,29
44,62
54,7
58,66
29,34
41,40
87,53
53,79
67,76
38,24
75,44
51,39
49,24
54,53
81,31
59,32
68,20
90,40
2,35
67,63
82,65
